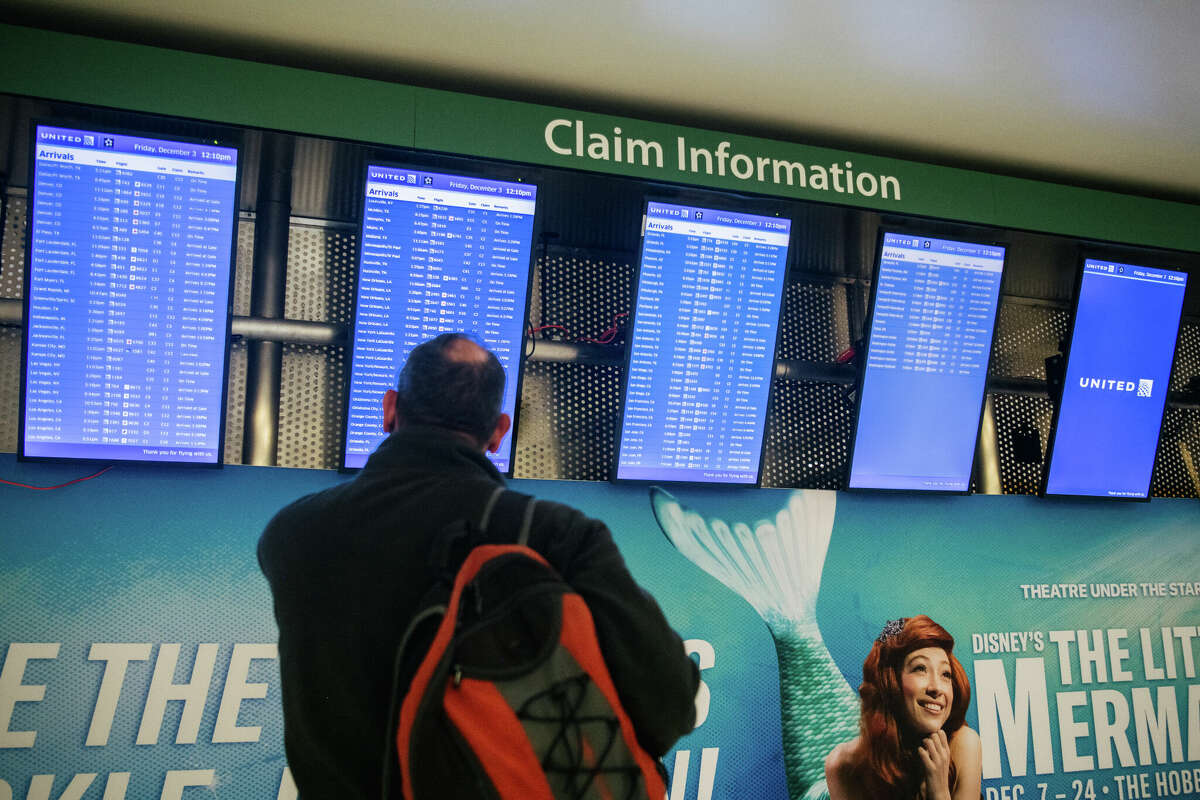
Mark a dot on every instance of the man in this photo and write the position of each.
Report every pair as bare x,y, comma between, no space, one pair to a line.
348,568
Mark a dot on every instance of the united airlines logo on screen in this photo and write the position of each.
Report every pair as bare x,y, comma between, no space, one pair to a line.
1143,386
69,138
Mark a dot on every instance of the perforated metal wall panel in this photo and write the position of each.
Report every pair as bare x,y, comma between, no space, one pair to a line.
235,397
1187,355
1177,466
814,325
581,292
536,450
808,435
11,340
1025,335
311,405
1015,414
12,277
322,269
12,250
322,264
568,421
235,403
243,268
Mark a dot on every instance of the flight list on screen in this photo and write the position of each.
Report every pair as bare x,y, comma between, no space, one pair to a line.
439,253
702,351
934,308
1118,371
127,309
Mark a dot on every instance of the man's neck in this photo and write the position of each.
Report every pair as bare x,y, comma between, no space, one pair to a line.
463,438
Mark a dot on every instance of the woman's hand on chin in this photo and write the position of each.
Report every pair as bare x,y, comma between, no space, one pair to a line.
935,757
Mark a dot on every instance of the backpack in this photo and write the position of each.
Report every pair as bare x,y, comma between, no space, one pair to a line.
512,700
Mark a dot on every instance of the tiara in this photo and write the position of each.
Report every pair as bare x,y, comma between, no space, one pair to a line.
890,629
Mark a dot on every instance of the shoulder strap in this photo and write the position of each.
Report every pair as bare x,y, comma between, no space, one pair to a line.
522,537
489,506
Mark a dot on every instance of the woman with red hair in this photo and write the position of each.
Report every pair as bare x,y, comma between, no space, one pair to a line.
913,740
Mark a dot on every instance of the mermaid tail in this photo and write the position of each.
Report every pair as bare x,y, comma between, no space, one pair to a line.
776,567
817,707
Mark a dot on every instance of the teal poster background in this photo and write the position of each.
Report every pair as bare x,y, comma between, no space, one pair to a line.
106,582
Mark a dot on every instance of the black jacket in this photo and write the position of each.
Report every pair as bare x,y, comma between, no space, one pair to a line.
348,569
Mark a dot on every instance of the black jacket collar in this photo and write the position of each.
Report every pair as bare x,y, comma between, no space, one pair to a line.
430,449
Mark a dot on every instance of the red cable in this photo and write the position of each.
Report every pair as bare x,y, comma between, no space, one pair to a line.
59,486
606,337
610,333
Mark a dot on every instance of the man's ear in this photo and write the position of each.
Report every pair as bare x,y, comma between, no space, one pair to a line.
501,430
389,411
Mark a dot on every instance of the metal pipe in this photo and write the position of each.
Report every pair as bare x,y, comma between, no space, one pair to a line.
294,331
987,452
583,353
264,363
11,312
816,371
291,331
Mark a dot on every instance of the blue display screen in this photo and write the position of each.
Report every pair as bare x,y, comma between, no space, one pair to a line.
702,352
131,253
439,253
1118,370
934,308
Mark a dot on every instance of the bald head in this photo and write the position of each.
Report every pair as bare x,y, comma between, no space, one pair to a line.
461,350
450,382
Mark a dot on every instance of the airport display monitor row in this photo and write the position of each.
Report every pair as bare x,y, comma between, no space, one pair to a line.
131,253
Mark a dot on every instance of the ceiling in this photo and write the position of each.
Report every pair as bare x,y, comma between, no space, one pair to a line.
1099,93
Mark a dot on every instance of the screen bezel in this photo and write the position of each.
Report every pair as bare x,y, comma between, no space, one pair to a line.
1083,255
459,167
715,202
868,325
234,142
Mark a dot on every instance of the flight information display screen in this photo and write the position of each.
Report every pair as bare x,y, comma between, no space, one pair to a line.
127,296
934,308
439,253
1115,389
702,350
